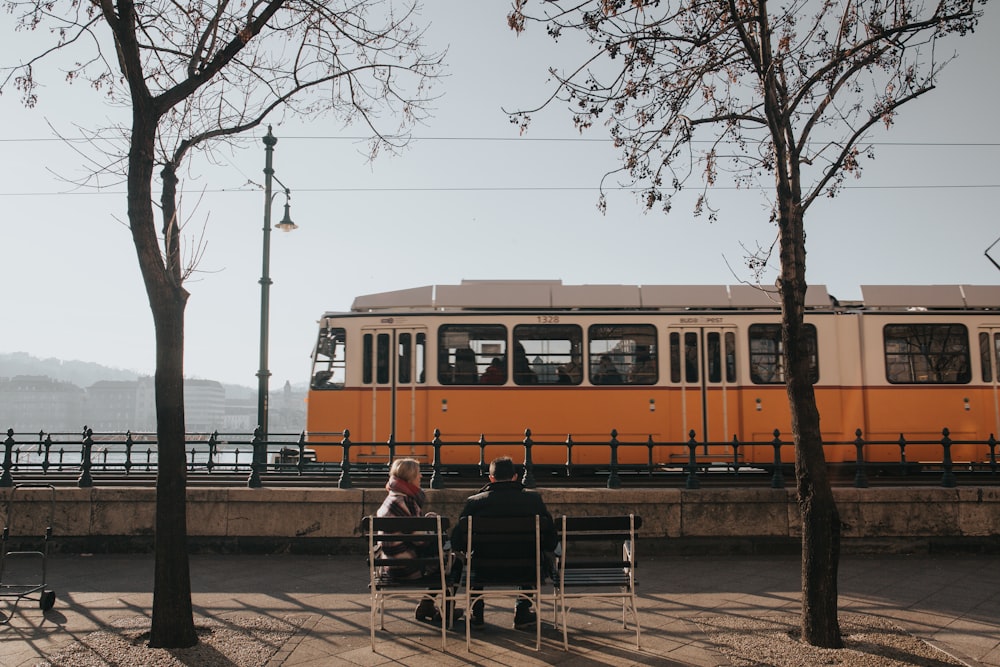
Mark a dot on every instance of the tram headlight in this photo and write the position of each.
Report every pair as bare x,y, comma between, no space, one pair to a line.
652,405
444,405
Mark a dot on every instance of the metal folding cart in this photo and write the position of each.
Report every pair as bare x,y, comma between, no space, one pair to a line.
25,557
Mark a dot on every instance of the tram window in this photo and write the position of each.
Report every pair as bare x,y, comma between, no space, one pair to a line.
730,356
367,344
411,356
684,356
691,356
421,358
767,359
466,353
330,360
630,352
927,353
719,357
405,344
984,356
996,347
548,354
714,357
675,357
382,359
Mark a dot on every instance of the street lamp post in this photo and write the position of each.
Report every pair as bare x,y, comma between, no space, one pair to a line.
286,224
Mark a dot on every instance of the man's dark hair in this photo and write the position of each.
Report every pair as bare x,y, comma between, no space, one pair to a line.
502,469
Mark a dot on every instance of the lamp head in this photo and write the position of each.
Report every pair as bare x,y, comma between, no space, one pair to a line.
286,224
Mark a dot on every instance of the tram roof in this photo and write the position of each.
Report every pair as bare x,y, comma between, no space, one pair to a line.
554,295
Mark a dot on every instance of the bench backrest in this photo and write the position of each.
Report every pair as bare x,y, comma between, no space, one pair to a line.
503,549
606,535
426,535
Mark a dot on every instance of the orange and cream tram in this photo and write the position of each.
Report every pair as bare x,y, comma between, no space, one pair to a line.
654,363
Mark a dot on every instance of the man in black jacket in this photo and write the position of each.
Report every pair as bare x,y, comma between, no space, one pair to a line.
505,496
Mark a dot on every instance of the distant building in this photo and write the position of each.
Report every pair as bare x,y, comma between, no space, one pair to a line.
145,405
31,403
110,405
204,405
241,415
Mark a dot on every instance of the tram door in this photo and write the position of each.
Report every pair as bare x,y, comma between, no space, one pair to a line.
394,369
989,349
703,375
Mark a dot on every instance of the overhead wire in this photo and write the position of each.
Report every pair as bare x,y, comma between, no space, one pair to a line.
621,188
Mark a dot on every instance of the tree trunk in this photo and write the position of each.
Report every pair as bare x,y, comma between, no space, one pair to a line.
173,624
818,511
173,621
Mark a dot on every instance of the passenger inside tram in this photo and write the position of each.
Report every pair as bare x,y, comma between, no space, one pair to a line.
523,373
446,372
606,372
643,371
466,371
570,373
495,373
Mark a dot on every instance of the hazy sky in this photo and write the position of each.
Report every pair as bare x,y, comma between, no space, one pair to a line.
467,200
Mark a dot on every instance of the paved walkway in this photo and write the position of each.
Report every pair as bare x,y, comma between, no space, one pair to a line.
952,602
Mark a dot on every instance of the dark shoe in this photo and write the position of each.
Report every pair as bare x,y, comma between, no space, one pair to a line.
477,620
525,619
428,612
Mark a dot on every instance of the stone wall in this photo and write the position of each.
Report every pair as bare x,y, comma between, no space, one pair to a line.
674,520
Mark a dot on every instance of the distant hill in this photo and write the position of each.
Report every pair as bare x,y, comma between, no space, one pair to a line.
83,373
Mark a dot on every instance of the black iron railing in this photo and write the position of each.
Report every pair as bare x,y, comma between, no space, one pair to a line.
90,458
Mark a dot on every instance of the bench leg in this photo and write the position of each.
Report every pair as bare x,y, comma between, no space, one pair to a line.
565,621
371,619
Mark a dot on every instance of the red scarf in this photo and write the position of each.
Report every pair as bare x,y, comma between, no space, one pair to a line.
415,496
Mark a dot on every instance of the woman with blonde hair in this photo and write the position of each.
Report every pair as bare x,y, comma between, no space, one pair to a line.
406,498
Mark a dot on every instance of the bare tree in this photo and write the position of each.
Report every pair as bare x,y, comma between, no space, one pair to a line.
790,91
192,75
